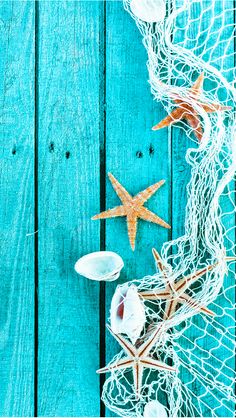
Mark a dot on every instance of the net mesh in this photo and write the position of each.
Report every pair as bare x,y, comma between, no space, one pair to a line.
196,37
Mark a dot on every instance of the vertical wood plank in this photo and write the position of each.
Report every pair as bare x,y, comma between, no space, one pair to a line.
68,197
17,208
137,156
181,176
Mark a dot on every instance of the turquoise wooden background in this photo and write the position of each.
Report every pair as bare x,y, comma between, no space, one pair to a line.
75,104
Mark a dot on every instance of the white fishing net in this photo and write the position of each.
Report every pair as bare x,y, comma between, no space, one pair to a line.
195,39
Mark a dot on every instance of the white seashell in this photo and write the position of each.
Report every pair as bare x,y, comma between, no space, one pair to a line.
127,312
154,409
100,265
149,10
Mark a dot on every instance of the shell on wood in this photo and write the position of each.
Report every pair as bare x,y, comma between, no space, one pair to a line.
149,10
154,409
100,265
127,312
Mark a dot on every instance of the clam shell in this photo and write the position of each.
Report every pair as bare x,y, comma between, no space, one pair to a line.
149,10
100,265
154,409
127,312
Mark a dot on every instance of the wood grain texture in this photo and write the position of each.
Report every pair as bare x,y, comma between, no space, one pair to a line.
135,155
73,139
68,196
181,173
17,208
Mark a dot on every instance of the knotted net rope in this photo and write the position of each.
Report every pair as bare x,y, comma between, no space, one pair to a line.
196,37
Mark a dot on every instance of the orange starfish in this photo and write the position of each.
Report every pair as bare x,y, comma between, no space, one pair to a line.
188,112
137,358
175,293
133,208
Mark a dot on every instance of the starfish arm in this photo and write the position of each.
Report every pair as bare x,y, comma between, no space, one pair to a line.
186,281
156,365
170,308
175,116
155,294
197,86
228,259
124,363
138,377
161,266
143,196
149,216
111,213
195,305
127,347
195,123
132,224
215,107
120,190
146,347
207,311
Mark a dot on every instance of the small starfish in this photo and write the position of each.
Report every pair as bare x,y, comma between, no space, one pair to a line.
188,112
137,358
133,208
175,293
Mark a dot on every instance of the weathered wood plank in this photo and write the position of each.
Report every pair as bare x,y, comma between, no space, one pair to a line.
136,156
17,208
180,179
68,197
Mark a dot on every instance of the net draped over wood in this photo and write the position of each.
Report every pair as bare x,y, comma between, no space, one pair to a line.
195,39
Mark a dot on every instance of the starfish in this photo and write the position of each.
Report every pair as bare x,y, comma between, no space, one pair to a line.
133,208
137,358
188,112
175,293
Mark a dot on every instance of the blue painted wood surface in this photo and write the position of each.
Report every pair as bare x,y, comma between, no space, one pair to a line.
68,186
17,208
181,176
88,109
136,155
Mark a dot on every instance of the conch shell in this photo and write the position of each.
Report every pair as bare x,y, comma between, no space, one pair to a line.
127,312
149,10
100,265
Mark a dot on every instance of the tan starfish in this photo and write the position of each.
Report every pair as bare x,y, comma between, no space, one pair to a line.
188,112
175,293
133,208
163,269
137,358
